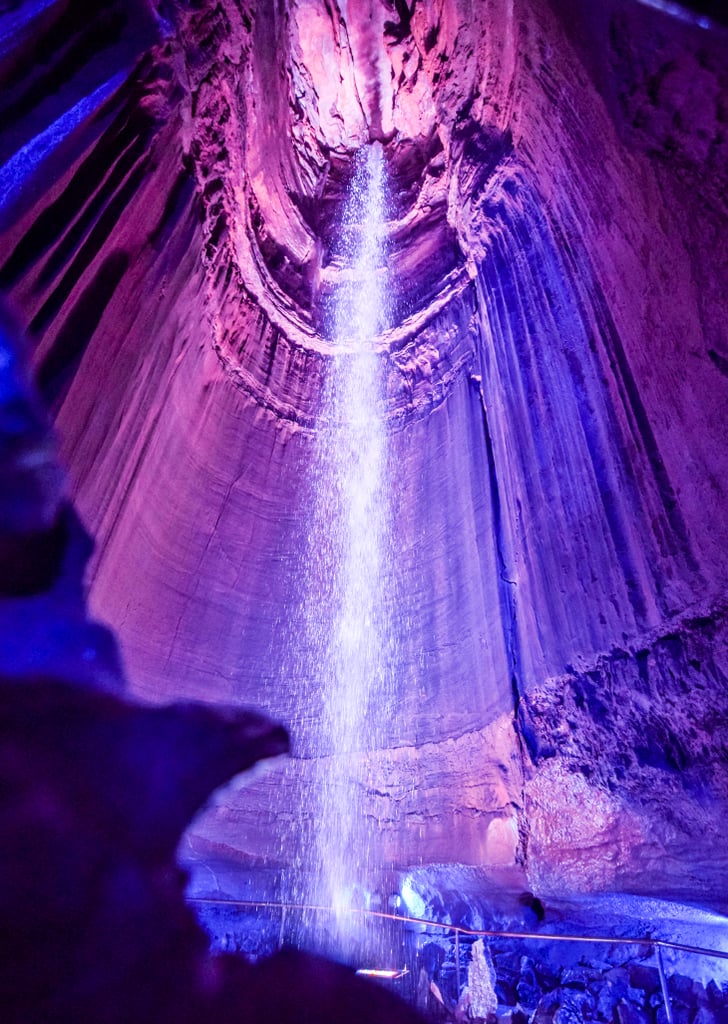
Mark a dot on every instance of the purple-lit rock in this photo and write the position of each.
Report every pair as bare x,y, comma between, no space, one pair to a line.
557,389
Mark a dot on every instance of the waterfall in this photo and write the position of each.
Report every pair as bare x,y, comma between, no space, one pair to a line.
350,562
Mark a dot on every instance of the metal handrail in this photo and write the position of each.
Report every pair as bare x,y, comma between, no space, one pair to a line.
657,945
463,930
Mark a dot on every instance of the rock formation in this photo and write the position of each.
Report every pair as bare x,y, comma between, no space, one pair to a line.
96,791
556,370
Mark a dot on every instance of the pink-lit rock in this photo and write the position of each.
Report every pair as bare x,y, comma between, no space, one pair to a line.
556,383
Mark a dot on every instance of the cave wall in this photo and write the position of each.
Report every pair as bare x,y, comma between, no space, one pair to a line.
556,388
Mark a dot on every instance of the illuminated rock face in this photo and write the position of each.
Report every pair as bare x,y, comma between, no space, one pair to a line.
556,389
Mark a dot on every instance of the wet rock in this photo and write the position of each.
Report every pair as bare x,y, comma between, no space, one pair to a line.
680,1014
569,1013
507,960
528,990
547,975
644,977
681,989
717,994
705,1015
577,978
609,994
506,986
638,997
545,1009
516,1016
628,1013
564,1007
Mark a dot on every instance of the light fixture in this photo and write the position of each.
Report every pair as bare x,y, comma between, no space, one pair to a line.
374,972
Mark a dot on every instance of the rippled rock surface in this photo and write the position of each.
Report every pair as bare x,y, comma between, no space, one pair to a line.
557,374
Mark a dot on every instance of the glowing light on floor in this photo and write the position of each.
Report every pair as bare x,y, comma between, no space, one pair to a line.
390,975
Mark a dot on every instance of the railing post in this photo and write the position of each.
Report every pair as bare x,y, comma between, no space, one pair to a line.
457,963
663,985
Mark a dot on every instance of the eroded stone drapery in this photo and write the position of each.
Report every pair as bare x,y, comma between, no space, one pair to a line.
556,388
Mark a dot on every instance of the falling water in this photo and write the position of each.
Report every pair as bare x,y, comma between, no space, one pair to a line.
349,627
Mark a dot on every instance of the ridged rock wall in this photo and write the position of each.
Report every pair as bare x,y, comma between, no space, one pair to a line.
556,370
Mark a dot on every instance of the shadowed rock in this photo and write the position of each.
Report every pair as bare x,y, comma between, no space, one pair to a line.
31,481
93,925
44,548
96,792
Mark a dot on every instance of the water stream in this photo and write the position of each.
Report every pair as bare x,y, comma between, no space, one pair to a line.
350,565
